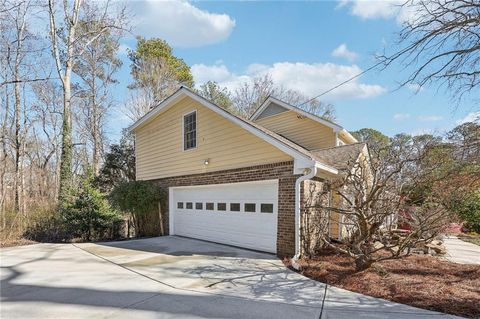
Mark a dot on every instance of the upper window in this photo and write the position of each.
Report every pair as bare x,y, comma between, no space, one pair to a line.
190,131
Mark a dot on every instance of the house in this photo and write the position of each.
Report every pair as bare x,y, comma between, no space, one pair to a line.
235,181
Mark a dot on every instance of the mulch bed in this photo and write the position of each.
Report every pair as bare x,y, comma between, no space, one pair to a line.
420,280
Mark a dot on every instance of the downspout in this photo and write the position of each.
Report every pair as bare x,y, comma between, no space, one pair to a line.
308,174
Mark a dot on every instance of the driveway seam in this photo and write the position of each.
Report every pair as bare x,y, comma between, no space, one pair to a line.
190,290
323,300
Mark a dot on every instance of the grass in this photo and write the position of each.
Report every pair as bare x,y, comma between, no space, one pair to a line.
471,238
419,280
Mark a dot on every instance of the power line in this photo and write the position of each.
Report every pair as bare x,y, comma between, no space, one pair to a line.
340,84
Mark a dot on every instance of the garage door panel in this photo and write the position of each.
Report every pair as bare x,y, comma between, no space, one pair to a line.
254,230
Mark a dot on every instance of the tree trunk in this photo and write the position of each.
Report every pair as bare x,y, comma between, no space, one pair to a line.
362,263
67,147
96,148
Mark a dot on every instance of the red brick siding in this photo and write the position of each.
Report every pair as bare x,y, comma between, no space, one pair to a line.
286,194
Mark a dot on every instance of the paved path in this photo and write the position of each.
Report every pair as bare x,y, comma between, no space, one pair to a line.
171,277
462,252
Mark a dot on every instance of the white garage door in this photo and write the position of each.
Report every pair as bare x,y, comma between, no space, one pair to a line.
239,214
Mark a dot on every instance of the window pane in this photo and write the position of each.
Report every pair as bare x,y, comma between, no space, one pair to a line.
266,208
190,131
250,207
221,206
180,205
189,205
209,206
235,207
198,205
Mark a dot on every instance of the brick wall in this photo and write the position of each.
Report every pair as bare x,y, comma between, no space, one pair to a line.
286,194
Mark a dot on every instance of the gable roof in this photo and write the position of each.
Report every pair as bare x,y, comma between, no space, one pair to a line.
341,157
282,143
274,101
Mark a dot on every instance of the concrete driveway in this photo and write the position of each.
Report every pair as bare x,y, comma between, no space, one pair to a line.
171,277
461,252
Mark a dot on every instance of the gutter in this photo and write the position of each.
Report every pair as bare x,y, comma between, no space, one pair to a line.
308,174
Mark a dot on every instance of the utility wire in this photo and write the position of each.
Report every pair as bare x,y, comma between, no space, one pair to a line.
340,84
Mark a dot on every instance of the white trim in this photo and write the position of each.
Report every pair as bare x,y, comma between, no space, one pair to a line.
171,229
196,131
335,127
267,102
326,168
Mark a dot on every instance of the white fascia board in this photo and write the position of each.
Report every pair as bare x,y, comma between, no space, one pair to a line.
326,168
348,136
186,92
299,167
335,127
259,111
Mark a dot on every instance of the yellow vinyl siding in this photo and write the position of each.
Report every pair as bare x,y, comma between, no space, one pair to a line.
159,145
335,217
301,130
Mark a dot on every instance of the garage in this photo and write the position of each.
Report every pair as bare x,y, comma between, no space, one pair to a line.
238,214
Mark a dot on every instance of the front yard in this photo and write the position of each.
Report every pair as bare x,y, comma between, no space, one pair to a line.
419,280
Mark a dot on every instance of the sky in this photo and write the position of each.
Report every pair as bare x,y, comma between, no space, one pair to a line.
309,46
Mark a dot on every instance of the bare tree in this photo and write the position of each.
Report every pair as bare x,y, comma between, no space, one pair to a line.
441,41
66,36
138,104
16,46
250,95
96,67
374,196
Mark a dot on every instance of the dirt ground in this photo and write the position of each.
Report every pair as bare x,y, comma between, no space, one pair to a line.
419,280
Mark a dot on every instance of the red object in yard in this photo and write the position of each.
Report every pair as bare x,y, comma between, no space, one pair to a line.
404,217
454,228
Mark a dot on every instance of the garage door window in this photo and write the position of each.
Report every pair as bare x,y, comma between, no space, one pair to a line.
222,206
199,206
180,205
189,205
249,207
209,206
266,208
235,207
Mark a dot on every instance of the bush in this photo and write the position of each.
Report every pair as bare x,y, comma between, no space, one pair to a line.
47,226
469,211
141,199
89,215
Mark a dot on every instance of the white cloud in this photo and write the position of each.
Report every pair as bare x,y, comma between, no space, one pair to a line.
343,52
430,118
401,116
180,23
309,79
415,87
381,9
471,117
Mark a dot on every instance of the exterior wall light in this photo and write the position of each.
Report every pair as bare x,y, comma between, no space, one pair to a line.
207,161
